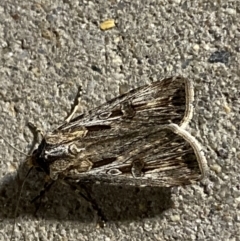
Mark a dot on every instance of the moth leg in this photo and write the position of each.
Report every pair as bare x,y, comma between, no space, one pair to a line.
94,205
46,188
78,188
75,105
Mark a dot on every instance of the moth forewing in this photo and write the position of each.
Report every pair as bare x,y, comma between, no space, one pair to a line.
163,156
162,102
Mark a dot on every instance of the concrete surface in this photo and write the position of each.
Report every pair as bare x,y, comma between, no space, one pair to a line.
49,48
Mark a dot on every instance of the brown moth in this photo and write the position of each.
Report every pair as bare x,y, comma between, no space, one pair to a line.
138,138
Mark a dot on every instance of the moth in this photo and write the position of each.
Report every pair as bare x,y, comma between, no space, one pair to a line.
138,138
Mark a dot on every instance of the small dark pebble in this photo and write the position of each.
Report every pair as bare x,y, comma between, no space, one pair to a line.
219,57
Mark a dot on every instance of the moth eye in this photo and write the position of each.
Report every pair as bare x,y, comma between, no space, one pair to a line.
114,172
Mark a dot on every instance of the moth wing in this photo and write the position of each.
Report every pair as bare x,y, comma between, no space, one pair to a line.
162,102
169,156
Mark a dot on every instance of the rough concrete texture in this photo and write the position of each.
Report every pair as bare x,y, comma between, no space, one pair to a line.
49,48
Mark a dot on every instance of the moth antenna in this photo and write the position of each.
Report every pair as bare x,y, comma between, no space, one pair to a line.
18,200
16,148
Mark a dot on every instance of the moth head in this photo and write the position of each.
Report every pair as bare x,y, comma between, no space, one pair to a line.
37,160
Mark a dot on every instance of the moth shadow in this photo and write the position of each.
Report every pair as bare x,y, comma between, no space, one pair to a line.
117,203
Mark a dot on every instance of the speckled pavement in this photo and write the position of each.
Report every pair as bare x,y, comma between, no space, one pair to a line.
50,48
